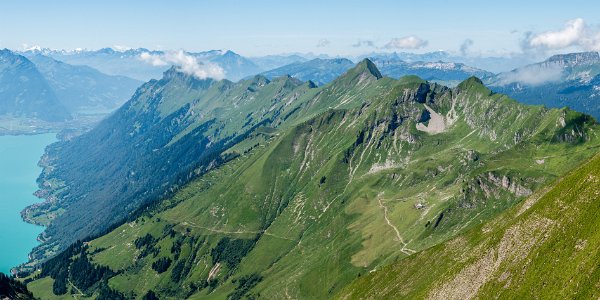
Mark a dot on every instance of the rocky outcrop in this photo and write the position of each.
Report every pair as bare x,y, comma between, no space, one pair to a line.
509,185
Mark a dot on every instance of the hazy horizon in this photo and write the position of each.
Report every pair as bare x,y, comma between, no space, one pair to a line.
334,28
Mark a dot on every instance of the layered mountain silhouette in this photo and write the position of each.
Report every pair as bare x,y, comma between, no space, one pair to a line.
24,92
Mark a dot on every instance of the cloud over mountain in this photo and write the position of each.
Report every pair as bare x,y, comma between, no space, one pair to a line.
465,46
185,63
533,75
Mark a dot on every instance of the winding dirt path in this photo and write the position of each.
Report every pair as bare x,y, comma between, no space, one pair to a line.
404,249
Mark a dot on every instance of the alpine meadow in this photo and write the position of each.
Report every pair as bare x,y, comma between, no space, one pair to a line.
314,150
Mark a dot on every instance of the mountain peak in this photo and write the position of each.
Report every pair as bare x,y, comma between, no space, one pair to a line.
260,80
106,50
230,53
5,51
7,55
471,82
174,73
366,66
363,71
573,59
170,72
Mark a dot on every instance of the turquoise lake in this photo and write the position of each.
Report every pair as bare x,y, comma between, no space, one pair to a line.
19,156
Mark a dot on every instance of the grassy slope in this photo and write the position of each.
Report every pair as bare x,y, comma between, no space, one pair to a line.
546,247
334,197
190,105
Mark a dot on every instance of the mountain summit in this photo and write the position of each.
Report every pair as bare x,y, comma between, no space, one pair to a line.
365,71
367,66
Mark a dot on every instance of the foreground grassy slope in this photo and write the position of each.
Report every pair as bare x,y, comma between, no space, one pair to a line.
391,168
547,247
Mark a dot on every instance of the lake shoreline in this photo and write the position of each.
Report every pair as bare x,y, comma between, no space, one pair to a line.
20,168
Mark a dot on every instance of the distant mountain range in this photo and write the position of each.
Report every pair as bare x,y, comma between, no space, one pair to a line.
113,61
24,92
562,80
107,60
129,62
270,62
88,82
82,89
571,80
37,87
322,71
448,73
490,63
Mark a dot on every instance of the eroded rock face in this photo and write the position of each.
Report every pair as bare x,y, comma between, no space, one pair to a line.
437,122
509,185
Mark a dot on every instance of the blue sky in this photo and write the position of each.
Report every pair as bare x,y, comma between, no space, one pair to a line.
269,27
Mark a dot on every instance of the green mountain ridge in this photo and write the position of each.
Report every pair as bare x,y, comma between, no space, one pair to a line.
327,185
208,109
545,247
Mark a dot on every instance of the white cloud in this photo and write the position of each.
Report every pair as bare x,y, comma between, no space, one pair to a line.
592,42
153,59
564,38
532,75
323,43
408,42
465,46
576,33
185,63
